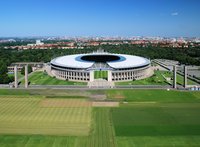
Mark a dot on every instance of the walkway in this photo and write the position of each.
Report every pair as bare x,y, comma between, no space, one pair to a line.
100,83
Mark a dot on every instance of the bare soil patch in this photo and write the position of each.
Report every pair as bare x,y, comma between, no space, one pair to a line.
105,104
70,103
119,96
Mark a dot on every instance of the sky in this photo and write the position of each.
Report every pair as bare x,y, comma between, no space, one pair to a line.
126,18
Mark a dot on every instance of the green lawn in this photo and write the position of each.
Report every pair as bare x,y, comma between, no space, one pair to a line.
153,96
65,118
19,75
41,78
159,141
180,78
100,74
157,120
36,141
102,133
156,79
36,115
163,124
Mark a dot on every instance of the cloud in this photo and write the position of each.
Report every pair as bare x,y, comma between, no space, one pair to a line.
174,14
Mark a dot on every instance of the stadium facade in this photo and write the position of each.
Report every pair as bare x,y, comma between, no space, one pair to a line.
120,67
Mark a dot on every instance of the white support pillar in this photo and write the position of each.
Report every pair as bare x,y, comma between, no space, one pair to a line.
26,76
109,76
91,76
185,76
174,81
16,80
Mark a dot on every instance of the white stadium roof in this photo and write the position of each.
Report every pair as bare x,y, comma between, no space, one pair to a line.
129,61
70,61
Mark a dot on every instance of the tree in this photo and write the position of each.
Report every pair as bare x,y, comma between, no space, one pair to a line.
29,70
3,68
4,78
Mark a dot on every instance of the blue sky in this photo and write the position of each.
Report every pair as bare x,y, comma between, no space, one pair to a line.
172,18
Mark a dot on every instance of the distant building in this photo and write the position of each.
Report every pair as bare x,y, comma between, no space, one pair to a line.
38,42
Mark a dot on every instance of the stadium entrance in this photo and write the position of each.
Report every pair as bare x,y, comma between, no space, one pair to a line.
101,74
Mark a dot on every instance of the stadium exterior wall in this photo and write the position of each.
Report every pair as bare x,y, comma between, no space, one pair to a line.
117,75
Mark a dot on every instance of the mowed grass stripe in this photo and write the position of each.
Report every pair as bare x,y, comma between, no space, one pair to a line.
34,77
29,117
166,141
46,80
42,78
11,114
39,141
157,120
153,96
103,133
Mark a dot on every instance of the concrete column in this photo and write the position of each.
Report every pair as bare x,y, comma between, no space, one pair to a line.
91,76
16,80
109,76
26,76
185,76
174,82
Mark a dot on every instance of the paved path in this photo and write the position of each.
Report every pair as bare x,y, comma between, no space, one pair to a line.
100,83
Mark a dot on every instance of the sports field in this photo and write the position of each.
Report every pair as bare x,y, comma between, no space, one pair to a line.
41,78
100,74
67,118
35,115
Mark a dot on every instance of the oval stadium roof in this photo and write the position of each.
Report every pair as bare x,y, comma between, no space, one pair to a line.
74,61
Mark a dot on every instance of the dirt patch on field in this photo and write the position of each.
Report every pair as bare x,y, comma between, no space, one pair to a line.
118,96
70,103
105,104
98,97
101,96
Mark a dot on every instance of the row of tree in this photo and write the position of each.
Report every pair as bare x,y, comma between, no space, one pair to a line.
4,77
190,56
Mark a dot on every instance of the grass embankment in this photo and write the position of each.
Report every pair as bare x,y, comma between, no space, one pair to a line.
159,78
41,78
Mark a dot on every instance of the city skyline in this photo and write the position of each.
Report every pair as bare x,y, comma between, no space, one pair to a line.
178,18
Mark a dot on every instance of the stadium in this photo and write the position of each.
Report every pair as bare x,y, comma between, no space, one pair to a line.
119,67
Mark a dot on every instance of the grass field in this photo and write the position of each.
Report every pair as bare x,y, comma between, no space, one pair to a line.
180,78
35,115
152,96
58,117
41,78
102,133
166,124
100,74
157,120
156,79
19,75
